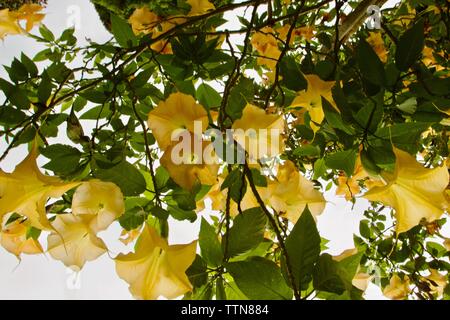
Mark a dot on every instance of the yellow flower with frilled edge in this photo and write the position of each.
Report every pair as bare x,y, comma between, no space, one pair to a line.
290,192
414,192
102,200
126,237
8,24
377,43
261,134
199,7
397,289
437,282
263,38
143,21
26,190
191,161
13,237
265,42
156,269
73,242
311,98
178,112
30,13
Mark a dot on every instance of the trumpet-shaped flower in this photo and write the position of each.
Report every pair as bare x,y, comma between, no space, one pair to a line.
191,161
414,192
103,200
13,237
179,112
311,98
156,269
291,192
73,242
26,190
261,134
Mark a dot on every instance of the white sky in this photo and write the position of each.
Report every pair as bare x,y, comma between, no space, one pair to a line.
40,277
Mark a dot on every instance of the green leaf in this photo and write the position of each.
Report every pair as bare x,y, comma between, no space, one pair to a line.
409,105
259,279
325,276
45,88
208,96
126,176
334,118
132,218
46,33
18,71
209,244
10,116
292,76
197,272
410,46
308,150
246,233
258,178
370,64
16,95
181,215
184,199
405,136
122,31
319,168
64,159
240,94
30,65
303,248
342,160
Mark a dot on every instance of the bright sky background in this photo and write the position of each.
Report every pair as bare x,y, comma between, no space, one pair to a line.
41,277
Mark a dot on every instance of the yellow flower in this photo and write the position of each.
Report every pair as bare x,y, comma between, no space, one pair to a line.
29,13
126,237
290,192
199,7
8,24
377,43
103,200
413,191
261,134
156,269
397,289
189,165
143,21
361,280
447,244
429,60
311,99
437,282
180,111
73,242
26,190
306,32
345,254
13,237
266,44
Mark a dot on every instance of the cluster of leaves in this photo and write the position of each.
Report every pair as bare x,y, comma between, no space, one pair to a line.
380,101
